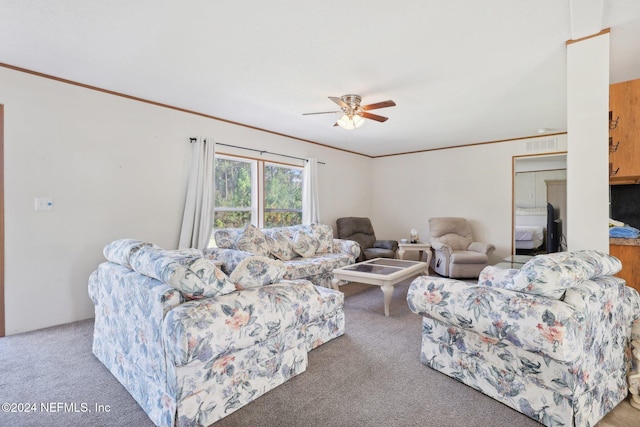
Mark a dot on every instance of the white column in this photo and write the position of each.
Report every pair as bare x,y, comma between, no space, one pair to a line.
587,136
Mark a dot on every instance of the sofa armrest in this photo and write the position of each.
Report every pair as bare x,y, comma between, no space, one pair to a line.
439,246
498,277
119,286
386,244
537,324
230,258
130,309
484,248
350,247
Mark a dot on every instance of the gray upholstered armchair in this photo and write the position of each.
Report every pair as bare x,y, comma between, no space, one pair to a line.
455,254
361,231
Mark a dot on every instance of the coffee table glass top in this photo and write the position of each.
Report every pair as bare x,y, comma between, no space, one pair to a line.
514,261
381,266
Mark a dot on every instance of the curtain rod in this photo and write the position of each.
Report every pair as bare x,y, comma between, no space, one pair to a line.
259,151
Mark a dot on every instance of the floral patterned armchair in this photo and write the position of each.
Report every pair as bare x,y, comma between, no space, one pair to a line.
551,340
190,343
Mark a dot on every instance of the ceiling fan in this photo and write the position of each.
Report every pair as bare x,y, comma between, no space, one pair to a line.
354,113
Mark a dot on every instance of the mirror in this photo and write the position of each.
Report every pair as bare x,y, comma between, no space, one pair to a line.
539,209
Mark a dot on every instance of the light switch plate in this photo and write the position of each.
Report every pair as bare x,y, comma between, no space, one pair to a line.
43,204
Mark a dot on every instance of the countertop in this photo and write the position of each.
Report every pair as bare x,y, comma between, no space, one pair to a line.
623,242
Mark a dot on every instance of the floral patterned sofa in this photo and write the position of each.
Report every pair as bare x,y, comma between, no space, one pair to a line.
551,340
307,251
192,344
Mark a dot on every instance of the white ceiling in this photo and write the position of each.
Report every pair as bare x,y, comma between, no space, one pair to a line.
460,71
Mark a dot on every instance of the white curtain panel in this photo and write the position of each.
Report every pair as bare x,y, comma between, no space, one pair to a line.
310,196
197,220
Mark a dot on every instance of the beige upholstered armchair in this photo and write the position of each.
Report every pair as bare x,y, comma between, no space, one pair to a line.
455,254
361,231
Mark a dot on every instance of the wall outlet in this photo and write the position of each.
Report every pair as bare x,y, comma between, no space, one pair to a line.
43,204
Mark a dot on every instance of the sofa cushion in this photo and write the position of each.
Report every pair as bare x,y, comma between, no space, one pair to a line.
455,241
120,251
323,234
551,275
280,246
469,257
257,271
253,240
185,270
304,244
300,268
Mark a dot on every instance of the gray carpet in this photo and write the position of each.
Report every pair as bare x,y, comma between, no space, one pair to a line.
371,376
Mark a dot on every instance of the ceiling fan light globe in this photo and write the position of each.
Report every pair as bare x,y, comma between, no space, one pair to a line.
346,122
358,121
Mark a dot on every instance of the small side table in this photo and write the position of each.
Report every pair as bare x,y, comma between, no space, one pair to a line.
421,247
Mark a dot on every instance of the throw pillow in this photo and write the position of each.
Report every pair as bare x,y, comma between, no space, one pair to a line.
151,260
257,271
253,240
551,275
185,270
497,277
120,251
226,238
323,234
200,278
304,245
280,246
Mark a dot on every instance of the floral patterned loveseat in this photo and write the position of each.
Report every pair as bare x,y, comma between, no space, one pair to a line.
551,340
307,251
192,344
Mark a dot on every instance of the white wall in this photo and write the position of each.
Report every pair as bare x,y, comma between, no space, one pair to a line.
588,130
114,168
472,182
118,168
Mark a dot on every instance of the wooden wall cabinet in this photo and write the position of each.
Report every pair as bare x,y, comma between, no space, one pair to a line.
629,255
624,132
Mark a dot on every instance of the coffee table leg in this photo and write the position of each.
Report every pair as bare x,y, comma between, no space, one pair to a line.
387,290
335,284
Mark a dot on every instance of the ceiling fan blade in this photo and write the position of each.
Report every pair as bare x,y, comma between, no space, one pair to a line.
339,101
383,104
323,112
374,117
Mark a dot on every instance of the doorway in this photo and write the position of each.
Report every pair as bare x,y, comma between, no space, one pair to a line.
539,206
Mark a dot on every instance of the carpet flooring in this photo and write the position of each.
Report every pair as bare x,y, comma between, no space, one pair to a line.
371,376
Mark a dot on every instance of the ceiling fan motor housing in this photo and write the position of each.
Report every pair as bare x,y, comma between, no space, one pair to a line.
353,101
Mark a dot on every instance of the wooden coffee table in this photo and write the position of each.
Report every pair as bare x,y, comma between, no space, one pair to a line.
383,272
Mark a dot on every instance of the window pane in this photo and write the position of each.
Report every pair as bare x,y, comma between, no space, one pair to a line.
231,219
283,195
233,193
233,183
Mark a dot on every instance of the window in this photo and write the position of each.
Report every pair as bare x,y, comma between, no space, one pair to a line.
265,194
235,192
282,195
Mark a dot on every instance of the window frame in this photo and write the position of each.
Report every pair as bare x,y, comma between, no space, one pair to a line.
258,185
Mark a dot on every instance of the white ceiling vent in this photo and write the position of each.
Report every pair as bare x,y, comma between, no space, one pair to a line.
547,144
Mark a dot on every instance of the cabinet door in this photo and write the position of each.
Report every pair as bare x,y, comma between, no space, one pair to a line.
630,258
624,138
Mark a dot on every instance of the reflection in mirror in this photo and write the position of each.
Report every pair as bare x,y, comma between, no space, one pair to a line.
539,204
